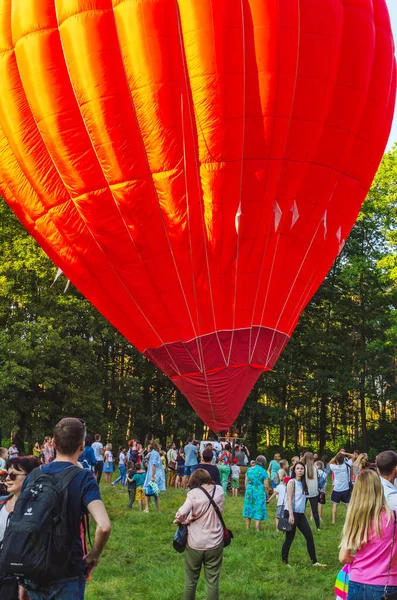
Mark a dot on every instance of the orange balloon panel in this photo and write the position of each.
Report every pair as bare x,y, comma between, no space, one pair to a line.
195,166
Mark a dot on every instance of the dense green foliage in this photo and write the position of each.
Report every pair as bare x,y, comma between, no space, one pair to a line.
139,561
335,383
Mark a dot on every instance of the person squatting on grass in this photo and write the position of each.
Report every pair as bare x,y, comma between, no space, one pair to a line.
205,534
369,541
296,503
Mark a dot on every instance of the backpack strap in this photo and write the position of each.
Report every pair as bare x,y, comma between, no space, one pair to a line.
4,500
62,479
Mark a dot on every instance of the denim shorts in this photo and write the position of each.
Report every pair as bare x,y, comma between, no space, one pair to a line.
189,470
64,589
363,591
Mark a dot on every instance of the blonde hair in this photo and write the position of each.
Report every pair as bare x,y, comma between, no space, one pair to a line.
308,461
361,462
108,447
281,474
366,506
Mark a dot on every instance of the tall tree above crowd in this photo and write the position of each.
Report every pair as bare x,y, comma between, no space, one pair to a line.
334,384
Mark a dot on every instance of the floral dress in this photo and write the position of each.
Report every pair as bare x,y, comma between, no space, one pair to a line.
255,495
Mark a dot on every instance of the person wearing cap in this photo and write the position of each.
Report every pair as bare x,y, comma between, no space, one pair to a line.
207,465
256,491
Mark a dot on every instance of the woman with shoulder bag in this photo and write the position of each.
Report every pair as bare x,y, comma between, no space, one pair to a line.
296,503
370,533
17,470
205,534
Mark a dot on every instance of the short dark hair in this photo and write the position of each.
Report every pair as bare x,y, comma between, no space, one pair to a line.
23,463
198,477
97,437
386,462
69,434
207,455
189,439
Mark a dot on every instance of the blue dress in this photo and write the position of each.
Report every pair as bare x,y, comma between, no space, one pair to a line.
159,478
255,496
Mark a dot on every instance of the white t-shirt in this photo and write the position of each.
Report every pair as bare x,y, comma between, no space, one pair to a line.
4,514
390,493
108,456
341,476
280,491
122,458
97,447
299,497
13,452
235,471
2,464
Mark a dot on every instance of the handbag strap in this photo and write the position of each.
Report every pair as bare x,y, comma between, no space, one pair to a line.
391,552
214,504
285,495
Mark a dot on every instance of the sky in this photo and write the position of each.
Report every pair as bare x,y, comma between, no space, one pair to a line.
392,4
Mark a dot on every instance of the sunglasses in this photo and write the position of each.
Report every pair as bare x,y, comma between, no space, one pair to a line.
13,476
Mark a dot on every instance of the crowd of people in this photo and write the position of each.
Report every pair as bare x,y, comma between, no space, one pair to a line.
208,472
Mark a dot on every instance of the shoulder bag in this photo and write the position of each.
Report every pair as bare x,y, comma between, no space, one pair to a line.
393,595
227,533
283,523
349,476
180,538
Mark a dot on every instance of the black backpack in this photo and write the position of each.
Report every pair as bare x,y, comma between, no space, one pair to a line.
37,543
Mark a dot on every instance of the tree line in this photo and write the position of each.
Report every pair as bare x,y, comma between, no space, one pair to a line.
335,384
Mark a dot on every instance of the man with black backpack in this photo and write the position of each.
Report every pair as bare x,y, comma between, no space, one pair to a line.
43,544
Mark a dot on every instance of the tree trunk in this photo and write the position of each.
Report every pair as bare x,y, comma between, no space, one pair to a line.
323,423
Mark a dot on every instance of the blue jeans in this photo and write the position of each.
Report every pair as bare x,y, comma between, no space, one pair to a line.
363,591
64,589
123,475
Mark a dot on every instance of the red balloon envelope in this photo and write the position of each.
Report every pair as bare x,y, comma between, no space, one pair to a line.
195,166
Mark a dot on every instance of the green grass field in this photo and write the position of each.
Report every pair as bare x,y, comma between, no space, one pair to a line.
139,561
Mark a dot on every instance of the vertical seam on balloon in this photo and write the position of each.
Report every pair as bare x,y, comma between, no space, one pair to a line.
93,237
60,230
292,287
342,153
302,304
197,162
107,183
281,169
189,226
64,236
251,353
184,73
152,180
244,52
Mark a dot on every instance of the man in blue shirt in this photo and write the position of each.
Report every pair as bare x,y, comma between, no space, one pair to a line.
191,461
69,436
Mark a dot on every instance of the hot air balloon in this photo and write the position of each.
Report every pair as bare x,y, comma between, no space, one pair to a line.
195,166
